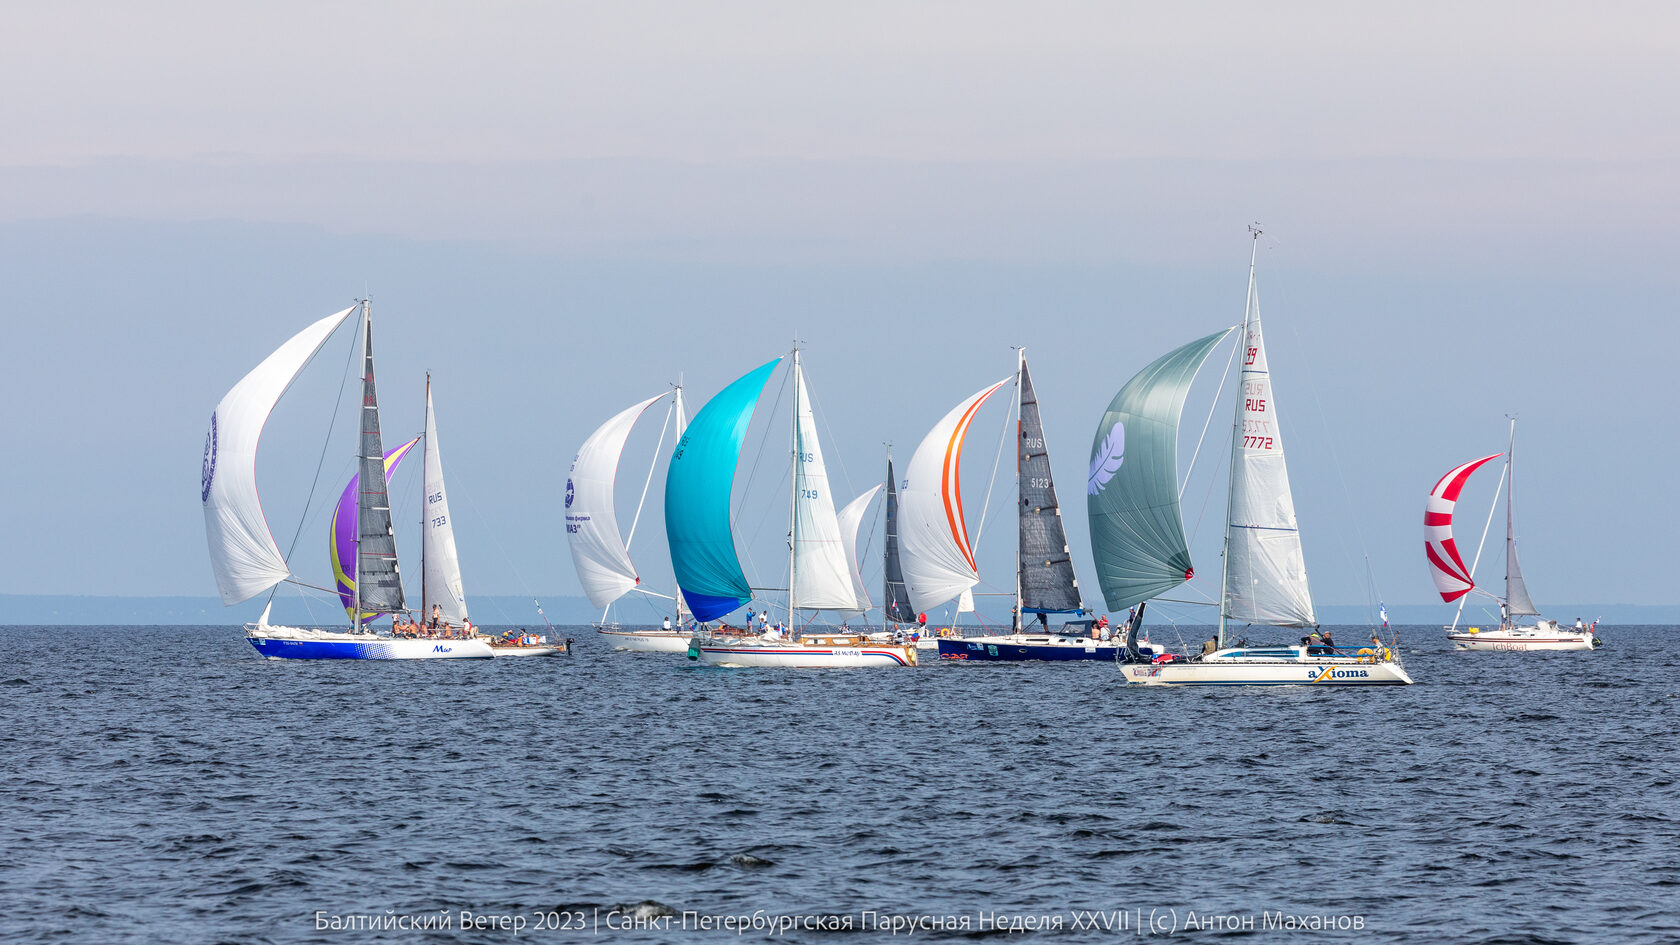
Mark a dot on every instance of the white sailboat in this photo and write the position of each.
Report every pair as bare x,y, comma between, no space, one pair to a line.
822,570
243,553
1264,580
1455,582
600,555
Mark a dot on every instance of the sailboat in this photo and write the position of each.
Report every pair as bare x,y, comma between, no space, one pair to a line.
1137,529
243,552
1455,582
600,555
822,572
1044,579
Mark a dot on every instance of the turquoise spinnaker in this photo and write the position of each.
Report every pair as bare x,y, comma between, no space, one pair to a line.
1137,531
697,488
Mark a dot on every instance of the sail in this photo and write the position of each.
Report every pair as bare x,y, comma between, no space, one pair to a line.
243,554
1137,531
377,573
441,587
1265,568
697,491
850,518
1517,601
1452,579
682,424
937,559
822,568
341,533
1046,564
598,552
896,600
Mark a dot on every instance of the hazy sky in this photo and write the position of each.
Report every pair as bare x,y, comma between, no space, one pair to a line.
558,207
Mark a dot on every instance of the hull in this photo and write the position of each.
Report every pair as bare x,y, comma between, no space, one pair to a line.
647,641
1520,642
292,643
1270,666
1019,648
802,656
538,649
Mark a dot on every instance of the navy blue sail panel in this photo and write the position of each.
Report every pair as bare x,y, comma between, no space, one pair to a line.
697,489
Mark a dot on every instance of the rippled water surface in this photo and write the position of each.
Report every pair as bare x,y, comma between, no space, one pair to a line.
166,784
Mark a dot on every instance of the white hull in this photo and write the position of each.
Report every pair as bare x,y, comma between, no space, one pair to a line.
800,655
313,644
647,641
540,649
1270,666
1546,637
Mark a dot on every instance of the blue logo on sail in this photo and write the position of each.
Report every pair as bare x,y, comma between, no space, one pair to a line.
570,493
209,473
1108,459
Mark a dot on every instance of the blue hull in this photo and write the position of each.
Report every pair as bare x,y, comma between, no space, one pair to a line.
377,650
973,651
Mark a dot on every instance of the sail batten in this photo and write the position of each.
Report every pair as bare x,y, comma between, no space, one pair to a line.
243,555
697,498
1045,562
1137,529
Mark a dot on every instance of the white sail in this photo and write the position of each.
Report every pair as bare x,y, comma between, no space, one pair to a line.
1265,569
442,586
850,518
933,536
822,569
242,549
602,562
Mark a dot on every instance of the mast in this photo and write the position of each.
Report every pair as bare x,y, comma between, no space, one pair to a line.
1236,433
361,460
1020,364
682,424
793,492
424,599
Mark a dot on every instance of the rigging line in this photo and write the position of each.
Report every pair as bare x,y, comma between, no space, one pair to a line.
985,509
1212,409
652,465
332,421
816,410
764,437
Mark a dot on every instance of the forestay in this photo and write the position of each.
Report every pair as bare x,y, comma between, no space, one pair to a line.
1265,568
598,552
242,549
938,560
697,493
1137,530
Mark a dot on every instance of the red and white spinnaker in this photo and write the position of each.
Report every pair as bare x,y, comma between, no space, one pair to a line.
1452,578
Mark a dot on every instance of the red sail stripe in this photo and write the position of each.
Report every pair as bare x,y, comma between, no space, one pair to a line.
956,521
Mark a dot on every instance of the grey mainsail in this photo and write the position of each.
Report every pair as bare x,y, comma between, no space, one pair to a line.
1048,585
378,581
1517,601
1137,532
895,599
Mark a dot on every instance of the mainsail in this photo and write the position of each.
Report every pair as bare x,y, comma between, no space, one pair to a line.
341,533
242,549
821,567
1265,568
1137,530
937,558
697,492
598,552
1452,579
1048,585
850,518
378,580
1517,601
895,603
440,585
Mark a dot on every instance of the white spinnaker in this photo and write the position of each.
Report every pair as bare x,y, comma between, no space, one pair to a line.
242,549
602,562
822,569
1266,570
437,535
850,518
933,538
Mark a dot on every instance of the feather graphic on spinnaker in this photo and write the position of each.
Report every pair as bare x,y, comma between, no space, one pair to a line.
1108,459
